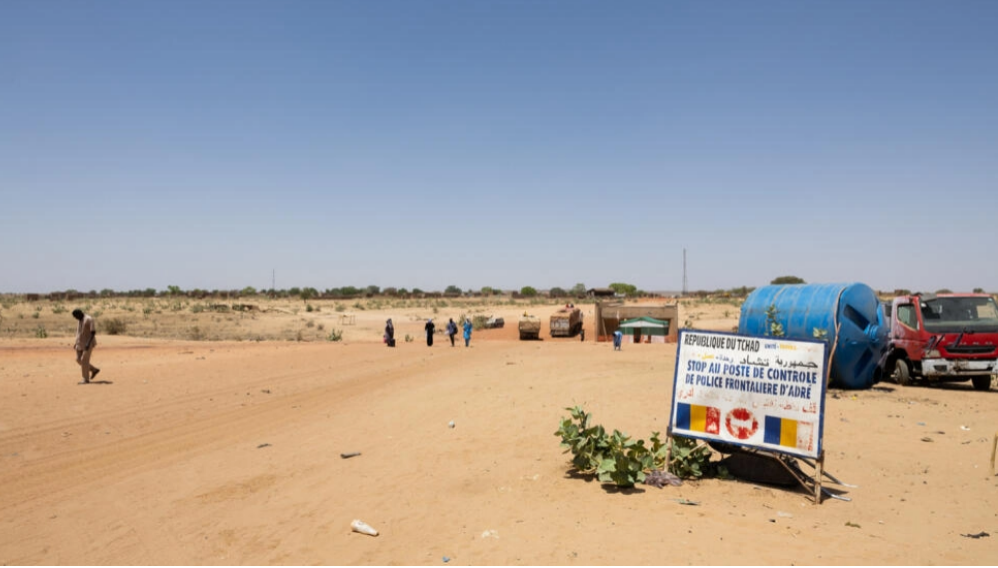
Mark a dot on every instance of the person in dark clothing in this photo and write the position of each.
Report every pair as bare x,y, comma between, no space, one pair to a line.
451,331
390,333
429,332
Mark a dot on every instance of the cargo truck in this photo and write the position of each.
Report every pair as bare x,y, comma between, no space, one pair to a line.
530,327
566,322
941,338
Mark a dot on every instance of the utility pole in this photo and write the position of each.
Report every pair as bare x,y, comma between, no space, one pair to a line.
685,283
273,280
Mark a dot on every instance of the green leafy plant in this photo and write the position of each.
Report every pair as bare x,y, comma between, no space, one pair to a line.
690,459
408,338
619,459
335,335
773,327
40,333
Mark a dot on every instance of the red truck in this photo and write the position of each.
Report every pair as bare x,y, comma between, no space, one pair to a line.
943,337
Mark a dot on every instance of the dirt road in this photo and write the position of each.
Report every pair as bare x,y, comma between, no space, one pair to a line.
229,453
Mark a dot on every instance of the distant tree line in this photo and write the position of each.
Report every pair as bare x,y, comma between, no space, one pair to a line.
578,291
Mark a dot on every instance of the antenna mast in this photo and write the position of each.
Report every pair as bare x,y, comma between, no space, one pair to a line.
685,284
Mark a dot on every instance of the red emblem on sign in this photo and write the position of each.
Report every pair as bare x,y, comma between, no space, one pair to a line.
741,423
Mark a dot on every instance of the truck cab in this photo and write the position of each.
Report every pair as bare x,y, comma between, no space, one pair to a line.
943,337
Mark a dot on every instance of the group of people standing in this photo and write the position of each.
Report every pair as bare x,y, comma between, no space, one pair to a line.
430,328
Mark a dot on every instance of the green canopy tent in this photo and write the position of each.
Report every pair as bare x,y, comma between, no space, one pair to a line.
645,330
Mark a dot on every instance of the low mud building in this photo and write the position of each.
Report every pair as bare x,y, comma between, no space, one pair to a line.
610,316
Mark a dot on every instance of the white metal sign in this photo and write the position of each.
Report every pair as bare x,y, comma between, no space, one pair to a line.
763,392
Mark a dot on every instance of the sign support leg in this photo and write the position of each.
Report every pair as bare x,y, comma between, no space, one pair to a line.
668,448
817,477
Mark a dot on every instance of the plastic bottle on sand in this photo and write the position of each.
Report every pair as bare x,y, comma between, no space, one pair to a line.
360,526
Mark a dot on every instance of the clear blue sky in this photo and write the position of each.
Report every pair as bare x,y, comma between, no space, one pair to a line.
506,143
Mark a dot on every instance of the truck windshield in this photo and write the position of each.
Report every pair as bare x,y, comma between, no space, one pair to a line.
956,314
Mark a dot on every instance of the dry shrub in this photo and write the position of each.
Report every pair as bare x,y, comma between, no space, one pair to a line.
115,326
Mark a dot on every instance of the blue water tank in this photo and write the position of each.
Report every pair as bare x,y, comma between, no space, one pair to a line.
802,308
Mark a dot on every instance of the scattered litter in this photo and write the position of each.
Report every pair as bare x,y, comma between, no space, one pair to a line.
964,428
926,439
446,559
264,445
852,524
978,535
491,533
349,455
360,526
660,479
921,423
785,515
265,391
682,501
450,424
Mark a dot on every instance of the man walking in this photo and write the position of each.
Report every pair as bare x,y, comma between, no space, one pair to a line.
86,340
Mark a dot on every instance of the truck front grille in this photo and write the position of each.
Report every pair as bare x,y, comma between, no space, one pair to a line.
971,349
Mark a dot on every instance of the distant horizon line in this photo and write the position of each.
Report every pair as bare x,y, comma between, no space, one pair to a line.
393,291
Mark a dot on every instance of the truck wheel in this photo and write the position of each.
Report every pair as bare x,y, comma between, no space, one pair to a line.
901,374
982,383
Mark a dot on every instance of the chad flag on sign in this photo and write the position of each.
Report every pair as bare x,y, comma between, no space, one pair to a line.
696,418
788,433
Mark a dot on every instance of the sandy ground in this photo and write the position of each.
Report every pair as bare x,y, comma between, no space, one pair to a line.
228,452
